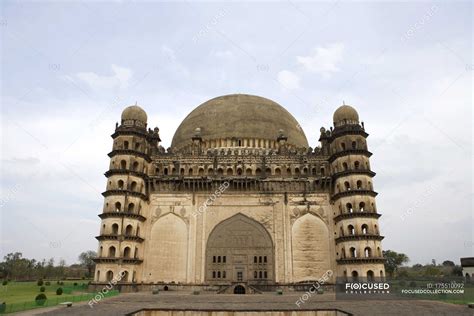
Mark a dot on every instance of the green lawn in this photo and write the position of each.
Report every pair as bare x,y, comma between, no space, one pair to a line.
19,292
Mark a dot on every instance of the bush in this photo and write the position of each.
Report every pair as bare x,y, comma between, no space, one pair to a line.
47,283
3,307
5,282
40,282
75,284
42,289
40,299
59,291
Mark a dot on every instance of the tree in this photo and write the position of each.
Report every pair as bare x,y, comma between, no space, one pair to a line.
448,263
393,261
86,260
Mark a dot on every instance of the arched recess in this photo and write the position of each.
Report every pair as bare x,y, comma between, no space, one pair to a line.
168,249
238,240
310,248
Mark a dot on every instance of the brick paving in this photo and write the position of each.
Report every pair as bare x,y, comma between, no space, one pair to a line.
128,303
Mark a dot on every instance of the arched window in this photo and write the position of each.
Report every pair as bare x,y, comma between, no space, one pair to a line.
239,171
376,229
361,206
344,166
135,253
351,230
124,276
365,229
101,251
248,172
379,253
190,171
201,171
268,171
349,207
313,171
137,146
255,275
135,166
354,145
213,274
230,172
214,259
288,171
259,259
118,207
223,259
255,259
223,274
353,252
133,186
98,275
131,207
218,259
126,252
347,186
120,184
218,274
264,259
123,164
115,228
210,171
356,165
341,232
367,252
343,253
265,274
355,275
260,274
343,146
129,230
138,231
110,275
297,171
220,171
323,172
258,171
277,172
370,185
125,145
181,171
305,171
359,184
111,251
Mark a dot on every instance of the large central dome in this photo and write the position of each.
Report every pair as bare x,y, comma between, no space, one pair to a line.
250,120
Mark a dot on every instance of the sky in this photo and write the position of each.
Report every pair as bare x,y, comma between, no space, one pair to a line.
68,69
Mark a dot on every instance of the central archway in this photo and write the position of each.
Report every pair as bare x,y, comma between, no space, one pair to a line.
239,289
239,249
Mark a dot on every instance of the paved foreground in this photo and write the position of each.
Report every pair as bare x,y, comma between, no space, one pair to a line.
129,303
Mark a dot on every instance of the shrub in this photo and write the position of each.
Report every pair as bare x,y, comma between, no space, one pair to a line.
47,283
3,307
59,291
5,282
42,289
40,299
40,282
75,284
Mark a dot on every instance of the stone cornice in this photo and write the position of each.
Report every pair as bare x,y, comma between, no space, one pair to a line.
120,238
130,152
347,152
125,192
367,214
118,260
353,172
353,192
361,260
112,172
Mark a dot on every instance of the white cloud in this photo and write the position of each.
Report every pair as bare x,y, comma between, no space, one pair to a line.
288,80
120,78
323,60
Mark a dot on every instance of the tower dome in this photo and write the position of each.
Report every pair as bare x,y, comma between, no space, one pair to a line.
345,114
239,117
134,113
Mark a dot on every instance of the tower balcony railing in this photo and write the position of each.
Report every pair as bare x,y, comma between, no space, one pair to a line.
358,260
354,192
126,192
120,237
350,215
346,152
120,171
123,260
122,214
348,172
131,152
356,237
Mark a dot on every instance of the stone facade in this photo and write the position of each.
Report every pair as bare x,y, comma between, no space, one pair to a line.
255,208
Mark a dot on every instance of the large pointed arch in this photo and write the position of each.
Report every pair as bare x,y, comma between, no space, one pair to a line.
310,248
168,249
240,246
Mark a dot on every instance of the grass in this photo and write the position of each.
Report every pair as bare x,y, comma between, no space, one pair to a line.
20,292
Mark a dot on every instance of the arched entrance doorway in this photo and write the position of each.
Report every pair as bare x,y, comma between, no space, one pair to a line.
239,289
239,249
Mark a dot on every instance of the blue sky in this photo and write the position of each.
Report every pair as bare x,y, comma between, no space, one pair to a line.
68,69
